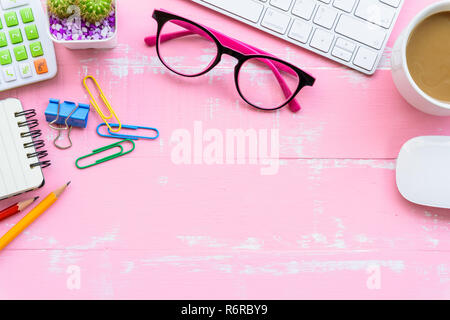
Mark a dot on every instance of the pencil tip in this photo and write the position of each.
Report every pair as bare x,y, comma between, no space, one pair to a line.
68,183
35,198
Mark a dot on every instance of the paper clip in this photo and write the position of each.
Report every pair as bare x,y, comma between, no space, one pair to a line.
108,158
104,117
124,136
61,129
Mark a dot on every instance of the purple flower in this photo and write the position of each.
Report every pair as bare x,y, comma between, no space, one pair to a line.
61,29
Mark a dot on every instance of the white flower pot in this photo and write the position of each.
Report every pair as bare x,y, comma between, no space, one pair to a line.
89,44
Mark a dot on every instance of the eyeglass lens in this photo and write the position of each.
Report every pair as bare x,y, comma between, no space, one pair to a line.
190,51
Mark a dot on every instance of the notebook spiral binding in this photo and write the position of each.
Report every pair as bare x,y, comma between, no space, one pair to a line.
31,124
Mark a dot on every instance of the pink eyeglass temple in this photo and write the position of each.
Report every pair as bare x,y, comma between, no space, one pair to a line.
237,45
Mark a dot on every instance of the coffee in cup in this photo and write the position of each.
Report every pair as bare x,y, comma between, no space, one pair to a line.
421,60
428,56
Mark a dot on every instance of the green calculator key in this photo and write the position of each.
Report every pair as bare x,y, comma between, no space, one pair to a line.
16,36
31,32
21,53
5,57
1,25
27,15
3,40
11,19
36,49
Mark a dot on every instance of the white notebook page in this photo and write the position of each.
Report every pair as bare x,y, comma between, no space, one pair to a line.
16,175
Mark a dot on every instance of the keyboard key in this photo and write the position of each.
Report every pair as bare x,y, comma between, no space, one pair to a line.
21,53
392,3
9,74
8,4
276,21
15,36
345,44
25,70
36,49
361,31
5,57
325,1
11,19
325,17
41,66
281,4
247,9
300,31
341,54
379,14
345,5
304,8
27,15
31,32
322,40
3,40
365,58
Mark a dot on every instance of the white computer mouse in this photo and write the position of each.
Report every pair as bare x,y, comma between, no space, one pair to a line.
423,171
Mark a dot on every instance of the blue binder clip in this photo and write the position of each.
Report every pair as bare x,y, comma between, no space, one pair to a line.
77,118
124,136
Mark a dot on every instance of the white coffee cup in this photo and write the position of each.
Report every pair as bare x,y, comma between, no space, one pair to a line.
401,75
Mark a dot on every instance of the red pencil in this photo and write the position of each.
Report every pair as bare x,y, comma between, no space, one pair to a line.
16,208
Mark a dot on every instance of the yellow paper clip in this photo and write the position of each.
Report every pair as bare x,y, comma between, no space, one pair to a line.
112,113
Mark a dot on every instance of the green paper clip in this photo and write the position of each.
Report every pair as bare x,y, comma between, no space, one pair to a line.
108,158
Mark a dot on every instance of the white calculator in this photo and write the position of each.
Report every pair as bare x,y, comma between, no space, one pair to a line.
27,54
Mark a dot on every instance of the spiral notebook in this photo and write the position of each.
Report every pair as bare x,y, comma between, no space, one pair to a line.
21,154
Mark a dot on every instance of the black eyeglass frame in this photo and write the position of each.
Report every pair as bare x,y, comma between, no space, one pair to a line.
163,17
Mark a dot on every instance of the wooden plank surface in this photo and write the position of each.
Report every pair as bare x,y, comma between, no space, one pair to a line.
328,222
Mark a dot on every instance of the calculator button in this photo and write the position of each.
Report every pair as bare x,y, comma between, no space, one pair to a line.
16,36
27,15
8,4
31,32
36,49
5,57
25,70
9,74
41,66
3,40
21,53
11,19
1,24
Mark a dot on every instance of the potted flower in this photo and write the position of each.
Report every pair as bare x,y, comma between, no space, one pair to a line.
82,24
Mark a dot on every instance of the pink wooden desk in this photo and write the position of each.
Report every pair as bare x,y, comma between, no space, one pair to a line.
329,224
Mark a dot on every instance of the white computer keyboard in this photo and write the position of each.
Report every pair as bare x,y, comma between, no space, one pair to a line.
351,32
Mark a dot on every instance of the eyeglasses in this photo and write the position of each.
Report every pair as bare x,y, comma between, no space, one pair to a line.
191,50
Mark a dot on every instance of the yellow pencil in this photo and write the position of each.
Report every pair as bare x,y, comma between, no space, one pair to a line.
31,217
